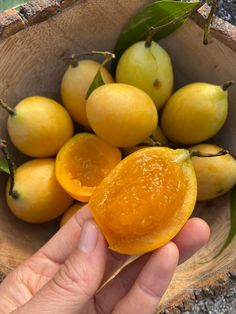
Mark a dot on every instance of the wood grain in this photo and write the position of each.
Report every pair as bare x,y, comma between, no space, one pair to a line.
31,63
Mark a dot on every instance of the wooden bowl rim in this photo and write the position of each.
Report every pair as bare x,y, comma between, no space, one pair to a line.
210,287
37,11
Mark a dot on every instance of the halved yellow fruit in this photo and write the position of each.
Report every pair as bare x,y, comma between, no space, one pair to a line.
145,200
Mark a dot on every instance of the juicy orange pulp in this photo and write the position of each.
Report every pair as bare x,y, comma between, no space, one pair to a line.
145,200
83,162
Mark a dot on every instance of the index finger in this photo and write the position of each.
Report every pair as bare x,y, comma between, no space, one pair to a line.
60,246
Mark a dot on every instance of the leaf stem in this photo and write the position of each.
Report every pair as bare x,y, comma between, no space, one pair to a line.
207,26
74,59
153,30
11,165
108,57
149,143
196,153
11,111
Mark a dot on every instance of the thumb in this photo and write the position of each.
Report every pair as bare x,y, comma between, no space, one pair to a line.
77,279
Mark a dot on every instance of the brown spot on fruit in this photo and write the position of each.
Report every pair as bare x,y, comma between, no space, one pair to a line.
157,83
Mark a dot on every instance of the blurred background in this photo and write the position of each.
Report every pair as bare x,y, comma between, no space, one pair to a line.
227,10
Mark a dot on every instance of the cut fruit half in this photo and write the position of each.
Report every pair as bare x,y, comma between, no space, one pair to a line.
83,162
145,200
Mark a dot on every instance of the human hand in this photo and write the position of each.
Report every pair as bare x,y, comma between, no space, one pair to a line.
65,274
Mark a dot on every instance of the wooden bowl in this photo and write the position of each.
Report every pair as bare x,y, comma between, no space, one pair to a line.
31,63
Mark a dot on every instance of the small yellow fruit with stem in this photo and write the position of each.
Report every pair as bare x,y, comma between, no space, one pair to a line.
121,114
195,112
148,67
35,196
215,175
75,85
38,126
70,212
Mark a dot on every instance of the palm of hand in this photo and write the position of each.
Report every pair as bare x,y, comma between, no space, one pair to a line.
64,276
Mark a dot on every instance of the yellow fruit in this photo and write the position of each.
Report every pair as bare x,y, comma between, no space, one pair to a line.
157,135
149,69
215,175
195,113
120,114
74,87
40,197
70,212
145,200
83,162
39,126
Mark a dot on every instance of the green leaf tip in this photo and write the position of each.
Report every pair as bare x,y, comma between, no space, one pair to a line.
232,230
4,166
98,80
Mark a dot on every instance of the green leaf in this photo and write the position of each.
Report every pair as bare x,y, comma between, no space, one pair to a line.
97,81
4,166
232,231
156,14
7,4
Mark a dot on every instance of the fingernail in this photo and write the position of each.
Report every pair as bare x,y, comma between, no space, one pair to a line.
88,237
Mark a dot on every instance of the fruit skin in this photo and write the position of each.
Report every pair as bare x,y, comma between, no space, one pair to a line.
83,162
149,69
121,114
41,198
145,200
157,135
69,213
195,113
215,175
74,87
39,127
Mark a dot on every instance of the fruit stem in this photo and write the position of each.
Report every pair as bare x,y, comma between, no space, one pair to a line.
154,142
227,84
108,57
153,30
74,62
11,111
150,142
196,153
207,26
11,165
74,59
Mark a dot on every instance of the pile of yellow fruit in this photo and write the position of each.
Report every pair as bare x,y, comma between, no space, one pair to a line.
142,201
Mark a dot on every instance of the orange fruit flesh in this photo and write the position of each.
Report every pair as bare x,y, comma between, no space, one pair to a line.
145,200
83,162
